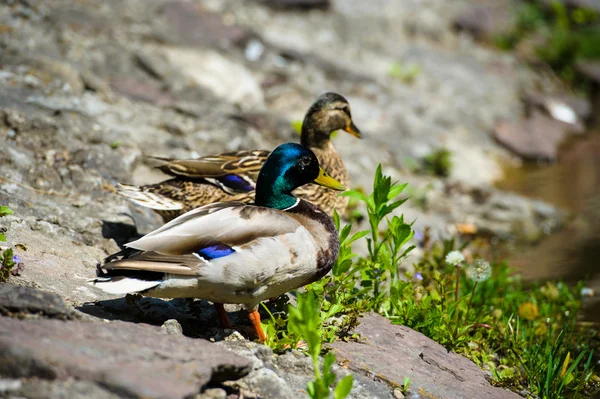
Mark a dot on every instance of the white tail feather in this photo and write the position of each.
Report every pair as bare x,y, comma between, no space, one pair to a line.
147,199
123,286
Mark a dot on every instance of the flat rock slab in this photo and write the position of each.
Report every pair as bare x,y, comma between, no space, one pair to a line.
393,352
18,301
132,360
486,19
535,138
298,4
191,25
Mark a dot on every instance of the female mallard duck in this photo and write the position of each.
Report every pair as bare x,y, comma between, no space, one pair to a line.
232,176
231,252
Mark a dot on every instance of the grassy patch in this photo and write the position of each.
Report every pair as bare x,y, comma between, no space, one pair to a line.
405,73
560,36
438,163
526,336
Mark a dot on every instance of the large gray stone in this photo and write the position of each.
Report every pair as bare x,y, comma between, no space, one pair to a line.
537,137
393,352
189,24
132,360
486,20
287,375
19,301
54,389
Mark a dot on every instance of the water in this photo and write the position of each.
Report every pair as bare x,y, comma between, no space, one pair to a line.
573,183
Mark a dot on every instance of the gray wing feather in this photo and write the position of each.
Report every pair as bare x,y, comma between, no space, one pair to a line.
227,223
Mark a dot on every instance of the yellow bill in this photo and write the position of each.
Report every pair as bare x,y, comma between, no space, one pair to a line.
327,181
353,130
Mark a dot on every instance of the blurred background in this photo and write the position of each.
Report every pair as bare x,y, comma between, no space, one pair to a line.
490,110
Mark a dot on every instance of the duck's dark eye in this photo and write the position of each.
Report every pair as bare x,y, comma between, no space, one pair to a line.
304,162
345,109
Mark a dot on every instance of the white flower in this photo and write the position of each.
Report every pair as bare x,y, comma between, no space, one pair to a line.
455,258
480,271
586,291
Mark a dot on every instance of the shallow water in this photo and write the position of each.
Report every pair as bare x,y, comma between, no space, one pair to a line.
573,183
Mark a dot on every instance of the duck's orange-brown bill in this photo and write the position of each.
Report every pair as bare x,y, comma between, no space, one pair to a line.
353,130
327,181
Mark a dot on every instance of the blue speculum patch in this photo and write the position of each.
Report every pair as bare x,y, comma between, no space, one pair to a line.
236,182
215,251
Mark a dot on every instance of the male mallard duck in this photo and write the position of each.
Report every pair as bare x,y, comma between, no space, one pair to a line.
232,252
232,176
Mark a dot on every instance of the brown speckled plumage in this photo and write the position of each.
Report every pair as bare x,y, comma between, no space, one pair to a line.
196,182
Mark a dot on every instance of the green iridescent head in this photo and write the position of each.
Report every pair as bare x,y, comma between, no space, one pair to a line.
288,167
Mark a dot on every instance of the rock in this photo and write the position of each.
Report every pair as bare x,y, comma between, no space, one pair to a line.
171,78
486,20
297,4
535,138
56,389
97,84
191,25
49,68
133,359
566,108
213,393
286,376
393,352
172,327
149,92
20,301
591,70
227,79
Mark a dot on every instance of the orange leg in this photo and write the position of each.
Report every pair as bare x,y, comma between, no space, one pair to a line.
255,320
223,316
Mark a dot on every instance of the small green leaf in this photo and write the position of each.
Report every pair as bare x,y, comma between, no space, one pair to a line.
2,237
345,233
4,210
343,388
311,390
406,384
336,220
355,194
358,236
395,190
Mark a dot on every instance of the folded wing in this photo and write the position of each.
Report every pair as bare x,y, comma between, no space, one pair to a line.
238,162
229,223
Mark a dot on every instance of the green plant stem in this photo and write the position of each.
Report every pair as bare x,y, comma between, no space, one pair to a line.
470,302
456,295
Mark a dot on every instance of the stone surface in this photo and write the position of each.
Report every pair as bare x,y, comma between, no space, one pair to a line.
298,4
579,106
485,20
132,360
90,91
35,388
191,25
492,212
19,301
591,69
535,138
394,352
286,376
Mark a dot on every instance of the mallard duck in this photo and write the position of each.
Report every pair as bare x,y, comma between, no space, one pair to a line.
232,176
232,252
